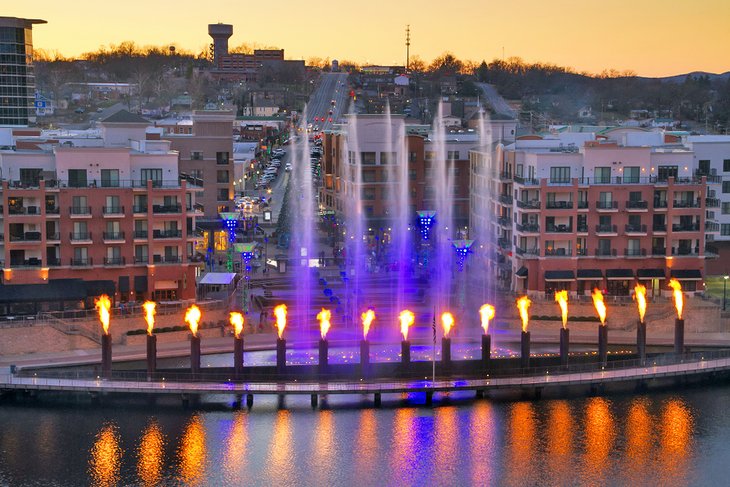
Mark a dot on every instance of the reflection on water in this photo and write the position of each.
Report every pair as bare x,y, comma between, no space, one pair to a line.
106,457
151,454
192,452
647,440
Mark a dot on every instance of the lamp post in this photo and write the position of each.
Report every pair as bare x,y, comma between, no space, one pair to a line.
724,291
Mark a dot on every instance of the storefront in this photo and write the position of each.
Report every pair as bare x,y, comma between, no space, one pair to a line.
558,281
688,278
652,279
619,282
588,280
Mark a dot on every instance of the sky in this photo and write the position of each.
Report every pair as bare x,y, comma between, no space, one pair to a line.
649,37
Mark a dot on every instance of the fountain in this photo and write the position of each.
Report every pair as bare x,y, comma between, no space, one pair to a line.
324,317
406,319
447,321
486,313
280,313
367,320
192,318
103,305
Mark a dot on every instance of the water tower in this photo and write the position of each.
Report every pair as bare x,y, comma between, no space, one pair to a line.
220,34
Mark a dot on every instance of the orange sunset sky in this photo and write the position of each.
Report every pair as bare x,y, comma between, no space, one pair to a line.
650,37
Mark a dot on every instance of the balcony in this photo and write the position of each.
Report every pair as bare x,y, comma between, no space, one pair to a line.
158,209
527,253
505,199
113,236
505,176
53,262
53,237
659,227
24,210
711,251
504,221
168,259
660,204
712,203
582,228
526,181
528,228
581,252
712,226
634,252
26,237
658,251
140,234
605,252
687,204
141,259
139,208
558,229
166,233
80,210
29,262
635,228
81,262
558,252
686,251
606,229
582,205
559,205
528,205
637,205
80,237
113,210
53,210
607,205
692,227
113,261
504,243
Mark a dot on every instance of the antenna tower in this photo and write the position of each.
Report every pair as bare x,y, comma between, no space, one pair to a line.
408,46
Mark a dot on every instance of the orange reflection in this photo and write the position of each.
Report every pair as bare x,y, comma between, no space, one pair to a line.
402,454
106,457
676,429
484,443
521,445
639,429
560,442
323,449
366,444
236,443
446,455
599,437
280,464
192,452
151,454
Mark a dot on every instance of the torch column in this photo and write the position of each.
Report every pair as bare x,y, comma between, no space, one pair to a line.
564,346
525,350
323,356
679,335
641,340
151,355
406,319
364,353
280,355
603,344
195,354
405,353
486,350
106,356
238,356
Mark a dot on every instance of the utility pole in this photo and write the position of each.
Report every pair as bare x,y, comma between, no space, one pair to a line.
408,46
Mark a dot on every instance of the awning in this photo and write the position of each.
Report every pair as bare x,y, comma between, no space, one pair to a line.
687,274
53,290
97,288
589,274
521,272
559,275
651,274
165,285
224,278
140,284
619,274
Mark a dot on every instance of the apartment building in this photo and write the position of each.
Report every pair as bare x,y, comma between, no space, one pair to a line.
113,216
582,211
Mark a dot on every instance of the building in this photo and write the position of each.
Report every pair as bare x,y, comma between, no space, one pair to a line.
206,157
17,81
579,211
113,216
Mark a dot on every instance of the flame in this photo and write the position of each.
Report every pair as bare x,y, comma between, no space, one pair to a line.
280,313
561,297
640,297
367,320
103,304
324,317
599,304
237,322
447,320
487,313
192,317
678,296
149,315
523,304
406,318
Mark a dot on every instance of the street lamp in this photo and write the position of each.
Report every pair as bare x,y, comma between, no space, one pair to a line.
724,291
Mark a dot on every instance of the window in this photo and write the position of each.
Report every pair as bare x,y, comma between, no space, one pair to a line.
222,158
429,155
666,172
81,254
602,175
223,194
77,178
368,176
559,174
367,157
412,157
726,186
631,174
606,198
30,177
140,254
154,175
78,204
110,178
703,168
725,208
196,155
112,205
604,246
725,229
726,165
453,155
368,193
635,196
412,174
222,176
387,157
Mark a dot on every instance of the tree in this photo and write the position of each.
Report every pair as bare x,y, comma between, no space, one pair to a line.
445,65
416,64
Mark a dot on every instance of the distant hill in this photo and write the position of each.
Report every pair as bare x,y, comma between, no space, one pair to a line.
679,78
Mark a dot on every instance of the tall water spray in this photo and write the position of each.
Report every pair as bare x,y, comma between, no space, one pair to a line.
482,227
